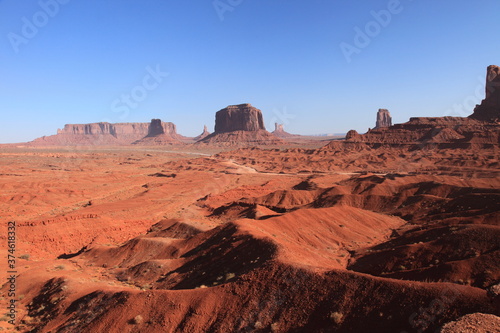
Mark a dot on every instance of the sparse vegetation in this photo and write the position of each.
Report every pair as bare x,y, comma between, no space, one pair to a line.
336,317
138,320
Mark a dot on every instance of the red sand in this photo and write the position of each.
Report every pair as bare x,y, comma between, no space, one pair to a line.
339,239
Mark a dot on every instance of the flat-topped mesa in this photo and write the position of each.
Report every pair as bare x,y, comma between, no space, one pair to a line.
489,109
242,117
104,133
384,118
240,125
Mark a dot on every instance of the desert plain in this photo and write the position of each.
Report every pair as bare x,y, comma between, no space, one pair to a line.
395,230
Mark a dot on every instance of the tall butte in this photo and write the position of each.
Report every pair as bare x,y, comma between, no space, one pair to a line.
240,124
384,119
489,109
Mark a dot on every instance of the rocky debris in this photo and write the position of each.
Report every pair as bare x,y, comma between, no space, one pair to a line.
489,109
203,135
165,175
280,132
473,323
242,117
384,118
240,125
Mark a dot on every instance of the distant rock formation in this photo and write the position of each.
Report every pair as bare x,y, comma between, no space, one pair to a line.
444,132
242,117
479,130
203,135
489,109
155,128
104,133
240,125
384,118
160,133
280,132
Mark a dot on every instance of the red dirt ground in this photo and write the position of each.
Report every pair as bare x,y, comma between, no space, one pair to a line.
349,238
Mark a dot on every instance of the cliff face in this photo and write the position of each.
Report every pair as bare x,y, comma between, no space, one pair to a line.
242,117
160,133
139,129
104,133
384,118
240,125
489,109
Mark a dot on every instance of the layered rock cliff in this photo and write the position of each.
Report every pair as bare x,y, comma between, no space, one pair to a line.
104,133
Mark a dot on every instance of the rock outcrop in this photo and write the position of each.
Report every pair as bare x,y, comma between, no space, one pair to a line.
489,109
479,130
280,132
104,133
203,135
445,132
240,125
384,119
242,117
160,133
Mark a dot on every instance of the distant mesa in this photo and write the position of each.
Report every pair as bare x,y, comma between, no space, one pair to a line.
489,109
107,134
242,117
93,134
203,135
160,133
280,132
384,119
240,125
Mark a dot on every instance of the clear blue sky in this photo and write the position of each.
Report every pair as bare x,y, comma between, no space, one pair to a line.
74,63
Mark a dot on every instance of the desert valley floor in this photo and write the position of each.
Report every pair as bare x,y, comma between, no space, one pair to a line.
147,239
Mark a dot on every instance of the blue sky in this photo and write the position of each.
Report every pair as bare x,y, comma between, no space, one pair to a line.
318,66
